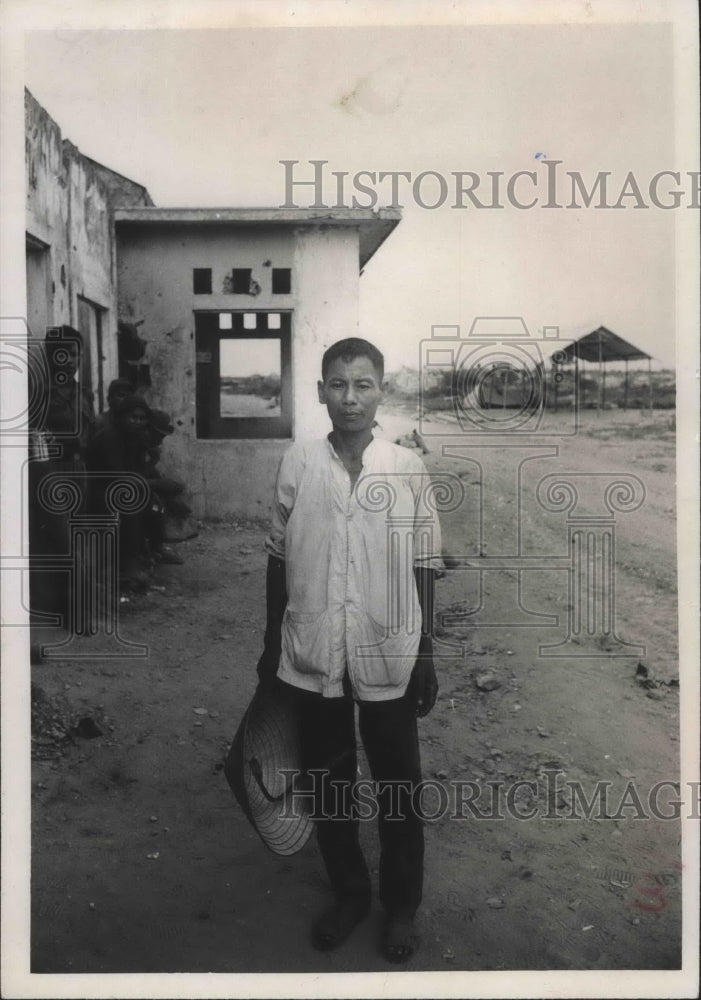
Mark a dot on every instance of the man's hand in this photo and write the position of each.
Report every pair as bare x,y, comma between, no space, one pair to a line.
267,670
276,601
423,686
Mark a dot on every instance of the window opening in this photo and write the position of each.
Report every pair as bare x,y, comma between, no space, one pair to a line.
241,280
244,374
282,280
250,373
202,280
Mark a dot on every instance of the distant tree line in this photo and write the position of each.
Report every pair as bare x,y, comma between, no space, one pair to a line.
438,385
266,386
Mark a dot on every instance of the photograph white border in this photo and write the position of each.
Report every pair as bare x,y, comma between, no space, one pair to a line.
17,16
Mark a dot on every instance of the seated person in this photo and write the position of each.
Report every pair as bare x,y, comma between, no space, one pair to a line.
166,491
118,389
158,429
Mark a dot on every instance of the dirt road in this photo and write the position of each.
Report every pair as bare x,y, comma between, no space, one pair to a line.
143,862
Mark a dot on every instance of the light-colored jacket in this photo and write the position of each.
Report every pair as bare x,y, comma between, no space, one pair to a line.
349,558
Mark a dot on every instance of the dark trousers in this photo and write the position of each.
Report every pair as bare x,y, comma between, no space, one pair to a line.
50,535
328,744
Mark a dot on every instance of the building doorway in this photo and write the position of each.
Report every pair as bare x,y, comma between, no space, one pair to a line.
90,321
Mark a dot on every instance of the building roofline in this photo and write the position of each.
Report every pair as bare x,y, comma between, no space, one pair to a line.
116,173
374,226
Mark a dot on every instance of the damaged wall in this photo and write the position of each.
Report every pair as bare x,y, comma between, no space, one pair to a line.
46,216
155,278
93,271
71,264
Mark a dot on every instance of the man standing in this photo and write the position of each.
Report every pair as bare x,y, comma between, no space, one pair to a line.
60,438
350,622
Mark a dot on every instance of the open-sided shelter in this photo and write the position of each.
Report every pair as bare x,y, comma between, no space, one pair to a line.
602,346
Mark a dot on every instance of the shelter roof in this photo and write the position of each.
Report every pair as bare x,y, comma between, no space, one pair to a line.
602,344
374,226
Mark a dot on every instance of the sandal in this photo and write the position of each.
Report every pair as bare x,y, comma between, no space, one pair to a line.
337,923
401,939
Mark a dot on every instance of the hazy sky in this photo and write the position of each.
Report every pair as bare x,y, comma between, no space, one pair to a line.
245,357
202,118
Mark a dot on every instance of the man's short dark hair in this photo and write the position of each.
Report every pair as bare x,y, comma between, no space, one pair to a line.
118,384
348,350
57,339
69,332
133,402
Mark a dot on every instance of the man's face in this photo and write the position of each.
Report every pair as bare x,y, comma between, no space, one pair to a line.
134,421
64,359
116,397
352,391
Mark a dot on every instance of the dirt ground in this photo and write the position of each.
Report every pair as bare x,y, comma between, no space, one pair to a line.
143,861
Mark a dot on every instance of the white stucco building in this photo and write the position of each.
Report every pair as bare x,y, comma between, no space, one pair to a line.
228,310
237,307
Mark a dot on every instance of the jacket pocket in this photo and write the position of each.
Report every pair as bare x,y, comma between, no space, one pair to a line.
305,641
380,659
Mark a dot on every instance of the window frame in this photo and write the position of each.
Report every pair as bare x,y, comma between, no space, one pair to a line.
210,424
